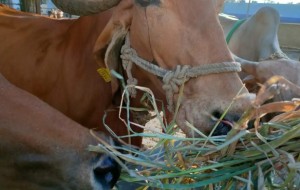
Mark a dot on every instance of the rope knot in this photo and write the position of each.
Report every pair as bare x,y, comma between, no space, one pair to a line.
173,80
127,53
132,82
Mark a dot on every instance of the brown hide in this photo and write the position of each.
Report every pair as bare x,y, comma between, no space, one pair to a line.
54,60
159,36
262,71
58,66
40,148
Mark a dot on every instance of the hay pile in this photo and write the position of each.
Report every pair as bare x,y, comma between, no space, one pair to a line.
266,156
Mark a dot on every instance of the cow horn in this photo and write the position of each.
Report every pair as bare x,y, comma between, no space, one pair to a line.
84,7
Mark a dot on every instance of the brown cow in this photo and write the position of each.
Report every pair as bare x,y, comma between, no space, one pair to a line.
255,43
40,148
56,60
255,38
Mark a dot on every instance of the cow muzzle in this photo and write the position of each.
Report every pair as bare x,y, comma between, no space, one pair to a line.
196,111
211,117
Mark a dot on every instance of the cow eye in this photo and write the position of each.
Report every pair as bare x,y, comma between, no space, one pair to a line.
145,3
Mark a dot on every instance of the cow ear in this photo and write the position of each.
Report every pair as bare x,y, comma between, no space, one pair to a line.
107,50
108,45
112,54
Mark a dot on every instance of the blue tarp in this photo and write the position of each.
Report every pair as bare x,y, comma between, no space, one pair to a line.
288,12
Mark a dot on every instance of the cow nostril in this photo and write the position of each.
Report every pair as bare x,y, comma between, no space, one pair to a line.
251,124
225,125
216,114
222,129
108,172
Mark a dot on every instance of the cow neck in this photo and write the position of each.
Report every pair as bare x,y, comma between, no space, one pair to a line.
172,79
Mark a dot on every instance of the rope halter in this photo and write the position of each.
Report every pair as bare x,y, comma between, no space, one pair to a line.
172,79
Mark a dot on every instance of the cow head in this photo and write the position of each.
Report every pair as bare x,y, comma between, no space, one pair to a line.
170,33
41,148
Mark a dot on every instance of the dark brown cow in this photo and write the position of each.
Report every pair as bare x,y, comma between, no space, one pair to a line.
56,61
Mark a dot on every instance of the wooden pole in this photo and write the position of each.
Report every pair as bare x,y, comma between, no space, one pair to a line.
37,6
33,6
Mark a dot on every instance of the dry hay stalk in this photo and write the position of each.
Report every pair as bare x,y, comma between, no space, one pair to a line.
264,156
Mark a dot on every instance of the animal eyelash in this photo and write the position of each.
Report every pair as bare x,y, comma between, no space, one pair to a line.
145,3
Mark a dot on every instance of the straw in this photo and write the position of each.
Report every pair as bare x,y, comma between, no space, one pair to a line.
244,159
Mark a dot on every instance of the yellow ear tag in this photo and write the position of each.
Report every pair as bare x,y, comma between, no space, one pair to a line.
105,74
